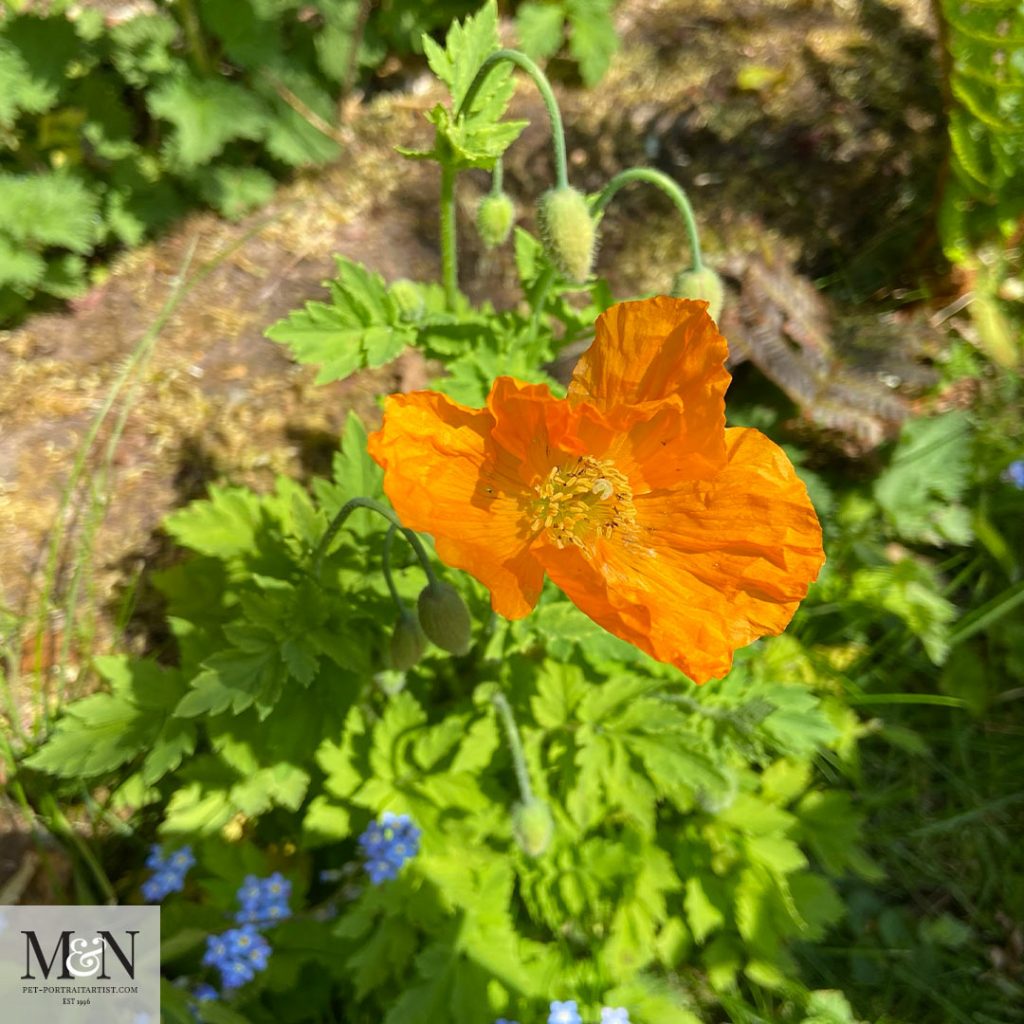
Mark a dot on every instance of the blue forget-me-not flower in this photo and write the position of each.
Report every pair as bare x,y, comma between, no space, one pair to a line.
564,1013
387,844
169,871
264,900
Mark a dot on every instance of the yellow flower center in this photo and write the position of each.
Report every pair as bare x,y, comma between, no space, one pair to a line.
580,498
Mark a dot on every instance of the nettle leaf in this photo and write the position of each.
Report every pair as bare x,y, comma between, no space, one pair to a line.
476,137
207,114
540,29
292,137
593,39
34,55
361,327
19,267
141,47
234,191
49,208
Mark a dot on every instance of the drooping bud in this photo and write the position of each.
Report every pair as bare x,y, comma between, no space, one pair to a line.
408,298
407,643
494,219
701,284
568,232
445,617
533,826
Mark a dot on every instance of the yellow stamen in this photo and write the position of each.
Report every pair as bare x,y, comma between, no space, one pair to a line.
580,498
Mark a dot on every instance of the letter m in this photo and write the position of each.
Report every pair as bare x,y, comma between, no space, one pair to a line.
32,946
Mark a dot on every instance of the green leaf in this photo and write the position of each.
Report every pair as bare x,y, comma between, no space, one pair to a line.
235,679
141,47
234,191
476,137
49,208
705,912
106,730
361,327
593,39
540,29
223,526
295,138
207,114
34,55
928,473
19,267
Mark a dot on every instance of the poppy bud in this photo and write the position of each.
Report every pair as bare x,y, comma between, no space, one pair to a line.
568,232
533,826
407,643
408,297
445,617
494,219
701,284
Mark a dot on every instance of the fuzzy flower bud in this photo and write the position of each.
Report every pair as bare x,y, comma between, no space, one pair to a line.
568,232
701,284
533,826
445,617
407,643
494,219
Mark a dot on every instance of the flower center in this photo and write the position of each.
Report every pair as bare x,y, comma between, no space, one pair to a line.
576,499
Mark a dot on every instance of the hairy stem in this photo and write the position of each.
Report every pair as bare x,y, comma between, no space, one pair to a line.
543,87
662,181
515,745
449,251
316,562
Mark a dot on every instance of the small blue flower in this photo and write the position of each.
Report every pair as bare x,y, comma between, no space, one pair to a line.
388,844
1014,474
264,900
564,1013
238,954
204,993
614,1015
502,1020
169,872
235,973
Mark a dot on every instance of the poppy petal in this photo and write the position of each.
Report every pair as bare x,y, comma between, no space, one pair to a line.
445,476
714,564
652,349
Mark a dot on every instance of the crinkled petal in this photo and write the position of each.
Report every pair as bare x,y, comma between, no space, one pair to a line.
445,476
713,565
654,349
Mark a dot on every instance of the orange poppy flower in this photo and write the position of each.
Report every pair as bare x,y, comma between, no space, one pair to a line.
671,531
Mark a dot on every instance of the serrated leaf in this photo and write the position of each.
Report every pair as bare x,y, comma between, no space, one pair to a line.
49,209
592,39
234,191
474,137
206,114
222,526
292,135
540,29
19,267
361,327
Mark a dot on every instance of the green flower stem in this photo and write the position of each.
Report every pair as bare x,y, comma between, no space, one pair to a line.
375,506
498,177
670,188
515,745
543,86
449,251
